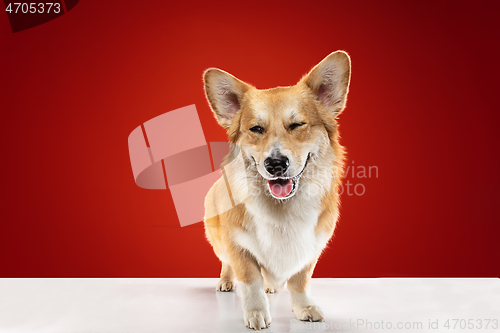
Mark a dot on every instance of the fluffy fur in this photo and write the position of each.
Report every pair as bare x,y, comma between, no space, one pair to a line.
266,242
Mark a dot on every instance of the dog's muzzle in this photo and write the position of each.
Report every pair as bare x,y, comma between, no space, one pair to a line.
284,188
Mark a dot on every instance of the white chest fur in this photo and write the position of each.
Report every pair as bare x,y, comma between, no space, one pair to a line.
283,244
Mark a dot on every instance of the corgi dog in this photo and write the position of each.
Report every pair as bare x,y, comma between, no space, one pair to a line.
287,138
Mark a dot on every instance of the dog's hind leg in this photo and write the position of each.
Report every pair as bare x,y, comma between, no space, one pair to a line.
226,282
270,286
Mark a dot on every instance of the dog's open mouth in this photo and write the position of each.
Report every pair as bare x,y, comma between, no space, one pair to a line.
283,188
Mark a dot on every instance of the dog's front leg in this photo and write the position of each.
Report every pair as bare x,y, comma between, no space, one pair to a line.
250,282
302,305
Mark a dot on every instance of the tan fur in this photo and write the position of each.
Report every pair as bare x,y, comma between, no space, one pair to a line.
299,281
315,156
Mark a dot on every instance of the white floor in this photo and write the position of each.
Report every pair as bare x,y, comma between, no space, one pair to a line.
193,305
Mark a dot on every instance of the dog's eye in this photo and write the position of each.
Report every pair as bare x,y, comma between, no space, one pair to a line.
257,129
295,125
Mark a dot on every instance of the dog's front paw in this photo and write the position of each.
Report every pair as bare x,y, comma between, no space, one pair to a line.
309,313
225,285
258,319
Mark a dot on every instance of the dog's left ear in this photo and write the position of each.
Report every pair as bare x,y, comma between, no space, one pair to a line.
329,81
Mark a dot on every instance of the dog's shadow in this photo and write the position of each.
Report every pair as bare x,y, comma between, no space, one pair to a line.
226,313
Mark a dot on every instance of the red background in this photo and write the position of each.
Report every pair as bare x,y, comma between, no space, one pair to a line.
422,108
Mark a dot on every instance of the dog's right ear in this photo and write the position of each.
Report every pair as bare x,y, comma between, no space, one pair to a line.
224,93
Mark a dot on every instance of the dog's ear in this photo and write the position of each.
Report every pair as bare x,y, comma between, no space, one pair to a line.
329,81
224,93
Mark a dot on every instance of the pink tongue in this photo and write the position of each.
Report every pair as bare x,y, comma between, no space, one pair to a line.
280,187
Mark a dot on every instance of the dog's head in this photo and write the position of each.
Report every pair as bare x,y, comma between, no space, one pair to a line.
283,131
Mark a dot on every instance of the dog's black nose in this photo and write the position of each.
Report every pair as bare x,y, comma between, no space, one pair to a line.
276,166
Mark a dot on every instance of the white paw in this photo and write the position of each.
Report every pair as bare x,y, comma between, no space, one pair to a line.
270,290
309,313
258,319
225,285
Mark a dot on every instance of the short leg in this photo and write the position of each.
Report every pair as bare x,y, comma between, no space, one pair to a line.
254,299
226,278
302,305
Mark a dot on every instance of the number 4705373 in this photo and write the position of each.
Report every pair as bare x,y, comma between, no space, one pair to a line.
33,7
